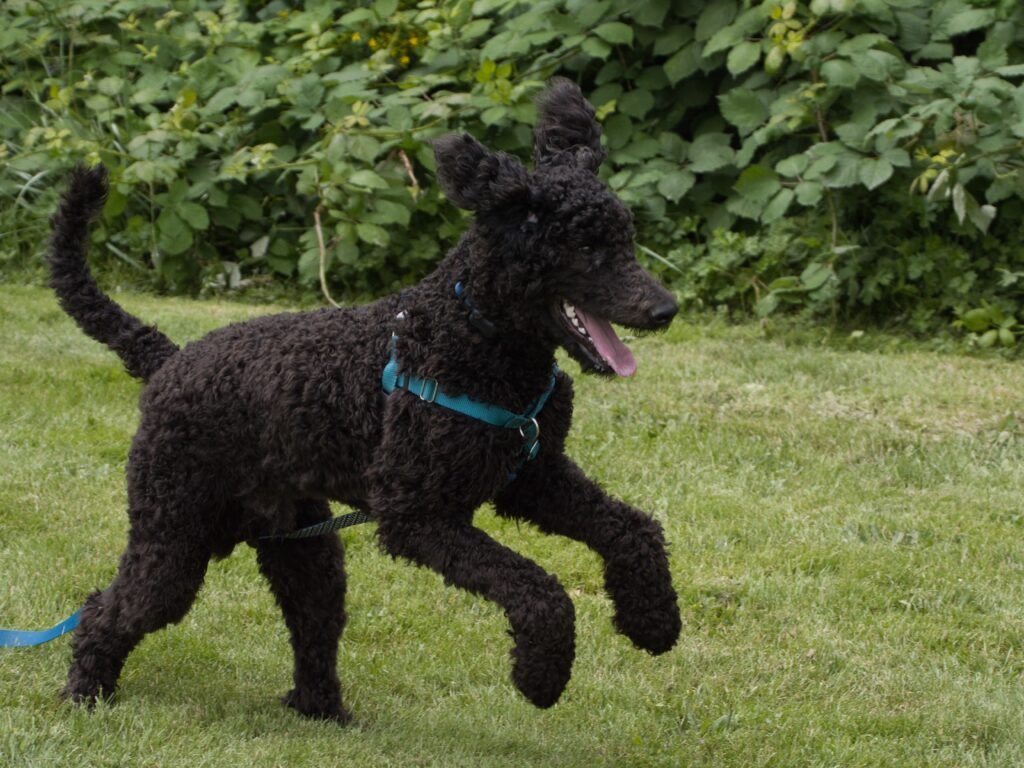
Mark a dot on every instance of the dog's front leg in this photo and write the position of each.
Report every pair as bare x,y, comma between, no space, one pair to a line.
554,494
540,612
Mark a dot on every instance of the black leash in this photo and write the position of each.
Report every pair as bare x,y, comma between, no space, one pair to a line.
327,526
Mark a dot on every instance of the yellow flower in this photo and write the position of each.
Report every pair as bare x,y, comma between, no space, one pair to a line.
372,42
413,40
356,37
404,61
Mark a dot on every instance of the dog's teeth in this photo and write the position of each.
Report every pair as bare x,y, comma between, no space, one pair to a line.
570,312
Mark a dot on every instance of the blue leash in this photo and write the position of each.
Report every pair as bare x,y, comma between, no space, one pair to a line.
21,638
17,638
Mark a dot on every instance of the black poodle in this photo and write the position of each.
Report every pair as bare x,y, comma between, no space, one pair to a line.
415,409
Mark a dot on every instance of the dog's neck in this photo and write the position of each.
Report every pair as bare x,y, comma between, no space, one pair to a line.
480,338
474,316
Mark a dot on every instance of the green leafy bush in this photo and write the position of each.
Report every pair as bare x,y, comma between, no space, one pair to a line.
840,156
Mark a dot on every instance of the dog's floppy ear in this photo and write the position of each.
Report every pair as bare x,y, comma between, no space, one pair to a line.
477,179
566,131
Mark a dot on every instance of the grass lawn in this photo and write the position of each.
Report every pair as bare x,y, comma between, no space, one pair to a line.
847,534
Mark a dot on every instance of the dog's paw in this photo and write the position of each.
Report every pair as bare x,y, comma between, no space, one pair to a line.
654,629
317,708
85,694
540,677
544,631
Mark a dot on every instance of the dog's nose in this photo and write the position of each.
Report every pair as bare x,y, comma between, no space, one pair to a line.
663,312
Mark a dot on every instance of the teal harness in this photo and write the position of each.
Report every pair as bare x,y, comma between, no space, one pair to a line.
429,391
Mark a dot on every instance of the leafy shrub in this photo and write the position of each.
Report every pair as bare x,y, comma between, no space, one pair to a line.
854,156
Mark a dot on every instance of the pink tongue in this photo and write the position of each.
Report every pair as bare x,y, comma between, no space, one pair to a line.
608,345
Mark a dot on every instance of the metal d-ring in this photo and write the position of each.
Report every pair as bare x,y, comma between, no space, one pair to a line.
536,429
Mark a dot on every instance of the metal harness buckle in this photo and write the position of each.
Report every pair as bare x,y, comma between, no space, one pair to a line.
425,384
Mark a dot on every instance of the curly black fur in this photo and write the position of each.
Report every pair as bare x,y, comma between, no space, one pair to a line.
250,430
142,348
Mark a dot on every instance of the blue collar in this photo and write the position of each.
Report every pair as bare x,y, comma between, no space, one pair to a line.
428,390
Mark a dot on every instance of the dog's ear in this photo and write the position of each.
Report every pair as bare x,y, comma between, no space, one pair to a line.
477,179
566,131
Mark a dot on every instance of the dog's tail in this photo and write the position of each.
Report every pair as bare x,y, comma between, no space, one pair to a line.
142,348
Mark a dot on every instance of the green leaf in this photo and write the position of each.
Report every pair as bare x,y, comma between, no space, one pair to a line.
309,265
384,8
586,14
1013,70
815,276
743,108
787,283
898,157
758,183
778,206
748,24
673,39
636,103
874,65
710,152
874,172
368,179
358,16
743,57
221,100
988,339
597,49
793,166
976,320
475,29
674,184
194,215
809,193
845,173
366,148
981,216
968,20
616,33
174,236
387,212
372,234
716,15
840,72
774,60
619,130
940,187
651,13
110,86
768,304
860,43
683,64
960,201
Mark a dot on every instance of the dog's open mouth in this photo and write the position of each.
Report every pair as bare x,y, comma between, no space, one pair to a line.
597,341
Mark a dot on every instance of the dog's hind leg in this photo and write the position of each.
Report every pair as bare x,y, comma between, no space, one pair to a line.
158,577
307,577
554,494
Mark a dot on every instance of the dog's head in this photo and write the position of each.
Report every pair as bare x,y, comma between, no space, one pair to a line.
558,243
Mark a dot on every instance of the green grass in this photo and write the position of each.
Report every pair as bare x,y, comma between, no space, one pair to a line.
847,535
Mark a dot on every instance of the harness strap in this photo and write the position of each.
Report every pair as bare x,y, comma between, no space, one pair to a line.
428,390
